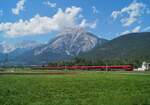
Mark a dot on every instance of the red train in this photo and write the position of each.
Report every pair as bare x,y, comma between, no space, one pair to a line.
121,67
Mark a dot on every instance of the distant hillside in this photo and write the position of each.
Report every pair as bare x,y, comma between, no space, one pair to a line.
130,46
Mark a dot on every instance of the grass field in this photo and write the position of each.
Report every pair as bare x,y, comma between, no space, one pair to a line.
81,88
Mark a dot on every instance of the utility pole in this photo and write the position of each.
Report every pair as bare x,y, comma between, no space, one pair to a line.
106,67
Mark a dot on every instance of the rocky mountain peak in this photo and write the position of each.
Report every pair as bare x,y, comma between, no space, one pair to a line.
71,41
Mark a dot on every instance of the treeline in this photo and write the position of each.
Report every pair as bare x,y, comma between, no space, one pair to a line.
94,62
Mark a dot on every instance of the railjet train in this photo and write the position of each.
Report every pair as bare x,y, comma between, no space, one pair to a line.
106,68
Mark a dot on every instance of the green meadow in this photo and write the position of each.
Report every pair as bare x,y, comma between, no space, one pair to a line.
79,88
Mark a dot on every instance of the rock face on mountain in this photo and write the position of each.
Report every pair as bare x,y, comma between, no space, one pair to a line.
71,42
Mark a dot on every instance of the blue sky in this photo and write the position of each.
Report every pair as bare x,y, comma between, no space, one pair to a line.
41,20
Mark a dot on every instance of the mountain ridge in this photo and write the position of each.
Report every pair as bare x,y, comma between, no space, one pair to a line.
85,45
64,46
133,46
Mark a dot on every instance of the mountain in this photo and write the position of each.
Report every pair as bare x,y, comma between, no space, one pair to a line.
77,42
130,46
9,52
2,57
24,46
66,44
72,41
6,47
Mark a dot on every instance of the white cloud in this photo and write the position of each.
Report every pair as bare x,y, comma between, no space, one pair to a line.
125,32
95,11
134,30
41,25
115,14
81,16
147,28
52,5
130,14
1,12
85,24
19,7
